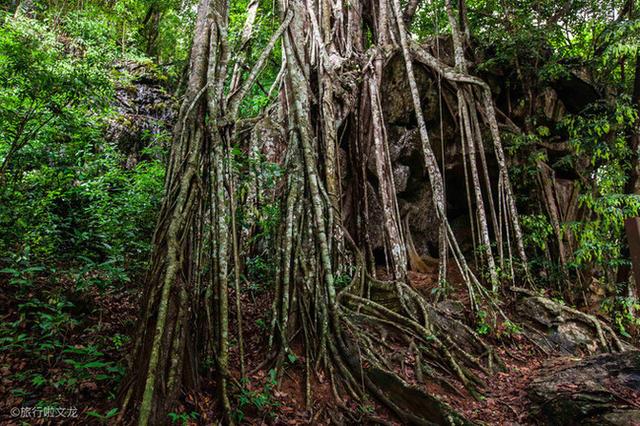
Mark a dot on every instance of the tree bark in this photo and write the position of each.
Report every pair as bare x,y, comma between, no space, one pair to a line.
328,86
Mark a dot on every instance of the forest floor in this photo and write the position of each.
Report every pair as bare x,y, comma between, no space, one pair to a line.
68,350
504,399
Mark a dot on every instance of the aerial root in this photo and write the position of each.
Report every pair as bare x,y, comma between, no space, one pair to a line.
366,321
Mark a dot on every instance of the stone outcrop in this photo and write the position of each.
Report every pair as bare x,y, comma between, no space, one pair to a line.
600,390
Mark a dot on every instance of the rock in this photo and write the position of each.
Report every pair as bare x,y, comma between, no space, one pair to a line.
620,417
405,150
399,110
422,220
145,112
414,406
575,90
552,107
560,328
600,390
401,176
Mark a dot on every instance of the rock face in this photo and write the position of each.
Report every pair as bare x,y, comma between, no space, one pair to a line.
407,162
600,390
145,112
439,103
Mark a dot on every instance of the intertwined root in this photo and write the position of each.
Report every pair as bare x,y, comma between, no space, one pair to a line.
391,343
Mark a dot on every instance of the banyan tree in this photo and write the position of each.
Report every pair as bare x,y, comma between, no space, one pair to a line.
342,213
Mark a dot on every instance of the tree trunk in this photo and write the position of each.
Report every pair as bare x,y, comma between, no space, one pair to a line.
164,359
327,86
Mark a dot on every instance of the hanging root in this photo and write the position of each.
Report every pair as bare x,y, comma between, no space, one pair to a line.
406,309
371,337
387,345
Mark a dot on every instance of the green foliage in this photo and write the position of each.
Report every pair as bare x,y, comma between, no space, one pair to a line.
262,324
121,207
103,418
22,278
39,328
130,26
64,192
599,131
258,268
599,134
183,417
342,280
442,290
265,25
76,219
482,327
508,329
623,312
46,93
598,159
119,340
40,333
260,400
537,231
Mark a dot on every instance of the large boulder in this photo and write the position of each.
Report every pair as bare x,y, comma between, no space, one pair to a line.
407,161
600,390
562,329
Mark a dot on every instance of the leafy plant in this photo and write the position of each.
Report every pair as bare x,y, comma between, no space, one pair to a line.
183,417
482,327
22,277
104,418
508,329
623,311
119,340
260,400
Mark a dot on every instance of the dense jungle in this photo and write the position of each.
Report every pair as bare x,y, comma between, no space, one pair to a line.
323,212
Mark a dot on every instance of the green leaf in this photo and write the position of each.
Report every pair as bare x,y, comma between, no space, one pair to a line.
111,412
95,364
94,414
